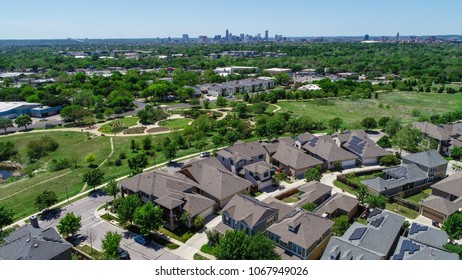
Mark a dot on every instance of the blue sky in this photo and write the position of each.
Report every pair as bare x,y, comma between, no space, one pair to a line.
49,19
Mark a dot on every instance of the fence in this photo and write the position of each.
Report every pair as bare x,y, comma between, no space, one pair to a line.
343,177
286,194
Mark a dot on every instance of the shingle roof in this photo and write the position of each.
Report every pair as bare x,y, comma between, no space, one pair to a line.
248,210
213,178
312,191
419,251
258,167
411,173
271,148
158,183
364,147
451,184
326,149
196,204
440,204
294,158
345,136
340,249
29,243
337,202
307,228
429,236
434,131
246,150
428,158
283,208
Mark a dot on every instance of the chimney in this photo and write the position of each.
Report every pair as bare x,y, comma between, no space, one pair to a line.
34,221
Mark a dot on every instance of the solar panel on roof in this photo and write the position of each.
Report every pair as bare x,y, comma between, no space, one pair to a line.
415,228
375,212
313,141
377,222
357,234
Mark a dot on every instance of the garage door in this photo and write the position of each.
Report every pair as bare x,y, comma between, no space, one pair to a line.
434,216
369,161
348,163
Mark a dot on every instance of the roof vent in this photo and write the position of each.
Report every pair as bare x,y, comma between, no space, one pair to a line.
36,245
27,241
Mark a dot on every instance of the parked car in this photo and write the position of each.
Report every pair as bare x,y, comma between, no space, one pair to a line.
204,154
123,254
141,240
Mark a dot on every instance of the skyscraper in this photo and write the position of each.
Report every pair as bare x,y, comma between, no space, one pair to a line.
266,36
397,37
227,35
185,38
366,37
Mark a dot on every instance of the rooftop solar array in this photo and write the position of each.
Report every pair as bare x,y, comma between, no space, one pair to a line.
357,234
377,222
415,228
356,145
409,246
313,142
398,172
375,212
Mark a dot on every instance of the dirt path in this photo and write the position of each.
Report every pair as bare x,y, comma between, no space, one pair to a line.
277,109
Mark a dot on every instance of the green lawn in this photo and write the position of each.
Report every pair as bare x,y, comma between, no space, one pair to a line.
199,257
404,211
206,248
344,187
291,199
95,254
126,122
176,123
182,233
400,105
270,108
419,197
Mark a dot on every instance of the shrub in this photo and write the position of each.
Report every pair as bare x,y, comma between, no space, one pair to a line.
198,222
118,162
59,164
122,155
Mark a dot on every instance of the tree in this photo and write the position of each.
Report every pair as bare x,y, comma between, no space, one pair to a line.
206,104
453,226
45,200
310,206
198,222
336,123
390,160
456,152
170,151
91,237
341,224
369,123
138,163
134,146
148,217
213,237
408,139
127,207
110,245
89,120
6,217
385,142
147,143
362,194
90,158
5,124
109,112
69,225
393,126
377,201
233,246
7,150
112,189
261,248
312,174
93,177
282,78
241,109
221,102
40,147
383,121
194,102
23,120
73,113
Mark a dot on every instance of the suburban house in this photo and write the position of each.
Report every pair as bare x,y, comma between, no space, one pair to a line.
423,243
435,132
357,143
429,161
31,242
338,205
374,241
241,154
417,171
214,181
445,200
301,235
293,160
324,148
173,192
246,213
259,173
314,192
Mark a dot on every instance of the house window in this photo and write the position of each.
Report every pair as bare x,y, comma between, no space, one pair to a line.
274,237
260,156
270,221
266,174
297,249
231,161
250,173
226,220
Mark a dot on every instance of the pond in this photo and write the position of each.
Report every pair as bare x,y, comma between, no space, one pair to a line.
5,174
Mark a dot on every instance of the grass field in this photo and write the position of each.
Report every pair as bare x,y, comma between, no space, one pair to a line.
176,123
398,104
127,122
419,197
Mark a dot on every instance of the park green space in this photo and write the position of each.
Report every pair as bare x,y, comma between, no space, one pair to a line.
399,104
127,122
174,124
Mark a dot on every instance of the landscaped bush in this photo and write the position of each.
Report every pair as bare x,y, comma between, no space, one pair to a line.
59,164
135,130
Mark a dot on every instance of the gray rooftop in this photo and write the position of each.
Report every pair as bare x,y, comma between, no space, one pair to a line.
248,210
451,184
29,243
434,131
408,249
441,205
294,157
429,236
408,173
325,148
313,190
428,158
337,202
364,147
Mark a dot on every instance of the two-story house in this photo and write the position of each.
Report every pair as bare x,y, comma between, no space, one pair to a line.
235,157
431,162
259,173
246,213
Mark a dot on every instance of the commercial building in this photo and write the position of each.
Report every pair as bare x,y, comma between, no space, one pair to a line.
11,110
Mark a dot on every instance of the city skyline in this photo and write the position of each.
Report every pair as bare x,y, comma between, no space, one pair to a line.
51,19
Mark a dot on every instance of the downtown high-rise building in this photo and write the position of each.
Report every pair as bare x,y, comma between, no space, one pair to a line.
266,36
185,38
227,35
